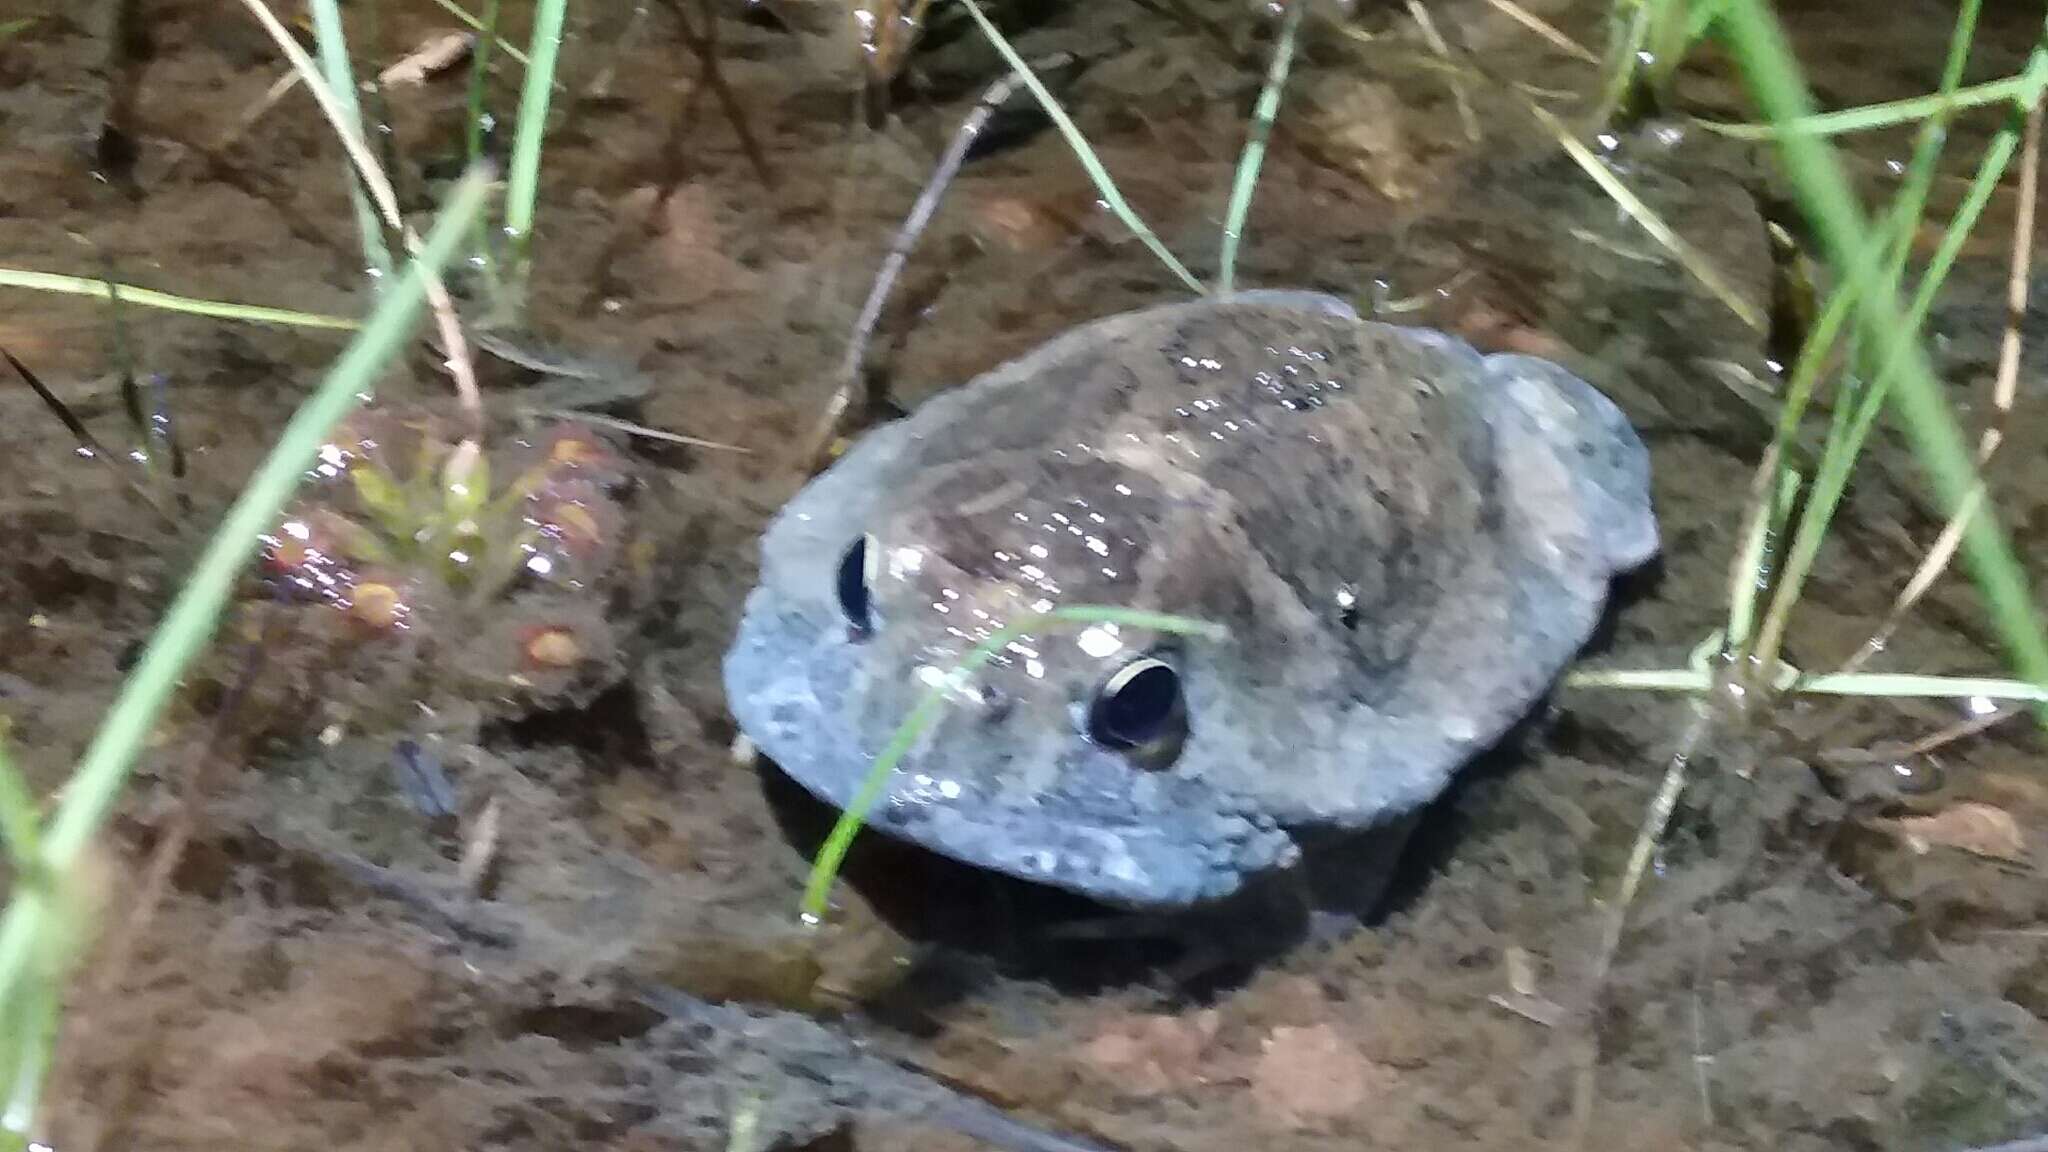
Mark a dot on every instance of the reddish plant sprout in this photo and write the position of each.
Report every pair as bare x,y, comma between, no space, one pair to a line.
393,494
380,605
573,528
549,647
305,560
567,450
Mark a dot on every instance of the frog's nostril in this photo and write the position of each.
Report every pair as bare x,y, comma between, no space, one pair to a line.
995,705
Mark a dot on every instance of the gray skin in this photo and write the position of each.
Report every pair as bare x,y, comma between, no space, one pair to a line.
1406,540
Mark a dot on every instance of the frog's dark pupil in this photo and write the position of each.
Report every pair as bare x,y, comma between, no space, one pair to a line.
1138,706
852,588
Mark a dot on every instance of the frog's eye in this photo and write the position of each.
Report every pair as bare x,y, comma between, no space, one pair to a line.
1139,706
855,579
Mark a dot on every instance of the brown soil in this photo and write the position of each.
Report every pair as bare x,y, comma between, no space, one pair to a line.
1806,967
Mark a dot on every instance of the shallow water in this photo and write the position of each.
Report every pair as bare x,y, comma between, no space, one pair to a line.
315,974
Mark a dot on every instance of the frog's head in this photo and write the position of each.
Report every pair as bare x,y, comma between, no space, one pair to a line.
1052,760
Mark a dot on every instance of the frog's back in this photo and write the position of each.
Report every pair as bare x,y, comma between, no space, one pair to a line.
1279,464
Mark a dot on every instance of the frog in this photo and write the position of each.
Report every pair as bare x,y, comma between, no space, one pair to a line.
1403,543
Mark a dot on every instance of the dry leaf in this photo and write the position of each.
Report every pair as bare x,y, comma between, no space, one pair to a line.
436,55
1306,1077
1521,970
480,853
1979,829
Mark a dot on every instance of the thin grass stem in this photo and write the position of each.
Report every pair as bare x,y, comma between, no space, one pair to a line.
522,177
60,283
1879,685
1467,119
1255,148
331,40
1082,151
1641,679
479,76
20,819
825,869
1693,259
2024,88
1906,685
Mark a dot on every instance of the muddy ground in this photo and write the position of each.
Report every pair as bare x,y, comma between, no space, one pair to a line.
292,955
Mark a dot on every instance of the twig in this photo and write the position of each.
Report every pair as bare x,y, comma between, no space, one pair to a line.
1654,824
1961,729
851,384
2030,1144
87,442
459,366
1437,45
705,45
632,429
1536,24
1692,258
1700,1059
2003,388
170,848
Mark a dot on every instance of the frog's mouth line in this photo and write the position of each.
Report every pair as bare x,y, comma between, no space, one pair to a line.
1097,835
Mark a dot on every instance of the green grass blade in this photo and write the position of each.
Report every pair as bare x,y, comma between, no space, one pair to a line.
2024,88
1255,149
479,76
1640,680
195,613
1079,143
150,298
1873,685
825,869
20,818
1845,439
1829,203
1892,684
1751,573
28,1026
522,179
331,39
1856,413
